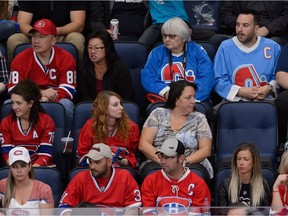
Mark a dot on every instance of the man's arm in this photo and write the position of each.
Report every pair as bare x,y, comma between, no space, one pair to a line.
24,19
76,25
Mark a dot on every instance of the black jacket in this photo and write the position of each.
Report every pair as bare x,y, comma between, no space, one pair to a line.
117,79
224,198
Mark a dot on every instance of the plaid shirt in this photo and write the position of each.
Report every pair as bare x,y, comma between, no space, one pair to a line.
4,73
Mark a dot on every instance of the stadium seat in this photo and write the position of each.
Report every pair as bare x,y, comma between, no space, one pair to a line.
223,173
152,167
134,54
47,175
132,171
57,113
198,106
83,111
241,121
3,50
210,49
67,46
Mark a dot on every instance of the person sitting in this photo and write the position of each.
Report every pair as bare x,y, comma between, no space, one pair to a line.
68,16
111,125
4,78
20,190
160,12
28,125
51,67
173,182
178,58
102,184
8,17
245,65
102,69
280,187
246,184
178,119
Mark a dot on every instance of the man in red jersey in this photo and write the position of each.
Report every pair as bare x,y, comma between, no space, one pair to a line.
52,68
102,184
175,188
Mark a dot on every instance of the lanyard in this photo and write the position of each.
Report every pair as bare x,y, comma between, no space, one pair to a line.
184,62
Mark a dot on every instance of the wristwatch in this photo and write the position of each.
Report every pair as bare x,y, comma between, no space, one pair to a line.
270,88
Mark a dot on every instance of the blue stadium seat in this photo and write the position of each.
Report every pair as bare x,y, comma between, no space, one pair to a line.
132,171
152,167
223,173
82,112
198,106
210,49
57,113
134,54
47,175
241,121
3,50
67,46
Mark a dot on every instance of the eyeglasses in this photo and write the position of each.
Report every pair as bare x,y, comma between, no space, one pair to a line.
170,36
95,49
163,156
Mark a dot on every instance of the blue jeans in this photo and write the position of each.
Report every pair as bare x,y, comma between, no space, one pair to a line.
7,28
69,108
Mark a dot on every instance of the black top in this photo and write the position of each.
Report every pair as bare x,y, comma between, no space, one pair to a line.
57,11
117,79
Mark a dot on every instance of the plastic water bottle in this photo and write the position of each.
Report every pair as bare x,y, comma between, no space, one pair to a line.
206,207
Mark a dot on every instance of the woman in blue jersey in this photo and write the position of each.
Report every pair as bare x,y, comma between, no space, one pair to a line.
177,59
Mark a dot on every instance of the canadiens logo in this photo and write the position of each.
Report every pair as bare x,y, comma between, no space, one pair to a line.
177,73
246,76
40,24
18,152
173,205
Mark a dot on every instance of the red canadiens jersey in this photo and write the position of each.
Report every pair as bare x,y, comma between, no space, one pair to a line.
86,141
38,140
120,191
60,74
174,196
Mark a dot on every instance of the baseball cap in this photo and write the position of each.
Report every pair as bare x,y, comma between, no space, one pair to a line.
19,154
98,151
171,146
45,27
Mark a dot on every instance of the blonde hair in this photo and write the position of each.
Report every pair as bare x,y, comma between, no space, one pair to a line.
257,193
283,166
10,187
99,116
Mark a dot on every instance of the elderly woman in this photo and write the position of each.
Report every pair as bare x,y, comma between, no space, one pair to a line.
246,184
178,119
177,59
102,69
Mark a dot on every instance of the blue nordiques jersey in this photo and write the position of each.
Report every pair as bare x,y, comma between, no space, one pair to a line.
237,66
157,74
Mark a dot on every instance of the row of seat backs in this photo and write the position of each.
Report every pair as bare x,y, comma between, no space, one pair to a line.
82,113
48,175
239,122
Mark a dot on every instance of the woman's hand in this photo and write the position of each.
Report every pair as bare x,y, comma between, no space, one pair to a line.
280,180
